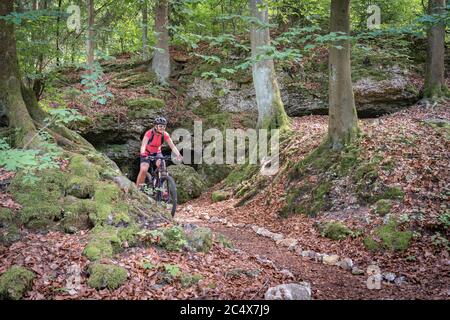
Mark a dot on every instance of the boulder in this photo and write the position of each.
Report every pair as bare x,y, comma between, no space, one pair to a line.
15,282
289,291
189,183
200,239
106,276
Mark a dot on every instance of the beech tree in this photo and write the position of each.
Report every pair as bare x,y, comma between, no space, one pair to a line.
271,113
343,120
161,55
91,34
435,86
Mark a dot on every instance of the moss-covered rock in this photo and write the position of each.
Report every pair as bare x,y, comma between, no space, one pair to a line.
222,240
80,166
188,280
9,235
334,230
15,282
110,208
136,80
80,187
41,201
220,195
221,121
106,276
200,239
189,183
143,108
383,207
213,173
6,216
76,215
172,238
391,238
206,107
104,243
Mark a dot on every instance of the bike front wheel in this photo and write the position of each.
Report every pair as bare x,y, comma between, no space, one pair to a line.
167,194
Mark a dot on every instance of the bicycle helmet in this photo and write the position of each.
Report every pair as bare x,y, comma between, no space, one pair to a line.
160,120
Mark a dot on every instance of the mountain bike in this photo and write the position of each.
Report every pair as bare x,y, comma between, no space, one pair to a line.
160,185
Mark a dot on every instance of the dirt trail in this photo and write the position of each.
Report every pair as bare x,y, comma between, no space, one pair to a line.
327,282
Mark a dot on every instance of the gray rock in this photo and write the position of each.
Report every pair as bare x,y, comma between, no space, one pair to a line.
346,264
400,280
308,254
357,272
287,273
319,257
289,291
389,276
123,183
330,259
189,183
214,219
288,242
277,236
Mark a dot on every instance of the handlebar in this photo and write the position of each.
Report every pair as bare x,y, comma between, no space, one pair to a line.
153,158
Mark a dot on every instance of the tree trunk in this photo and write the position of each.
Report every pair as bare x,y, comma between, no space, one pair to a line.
161,56
144,31
271,113
343,120
57,33
91,34
435,87
11,100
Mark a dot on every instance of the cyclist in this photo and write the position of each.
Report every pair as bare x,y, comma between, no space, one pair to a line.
151,146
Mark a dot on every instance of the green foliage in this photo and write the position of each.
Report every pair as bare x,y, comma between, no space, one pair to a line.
28,161
440,241
172,269
172,238
93,83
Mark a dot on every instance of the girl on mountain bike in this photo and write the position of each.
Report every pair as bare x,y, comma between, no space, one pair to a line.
151,146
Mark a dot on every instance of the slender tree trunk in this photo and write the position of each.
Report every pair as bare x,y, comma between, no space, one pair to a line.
91,34
11,99
57,33
161,55
435,87
271,113
144,30
343,120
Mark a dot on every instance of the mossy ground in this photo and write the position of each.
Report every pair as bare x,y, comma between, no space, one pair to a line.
15,282
220,195
390,238
314,178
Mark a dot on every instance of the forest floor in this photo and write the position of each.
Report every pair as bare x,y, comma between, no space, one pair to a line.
257,263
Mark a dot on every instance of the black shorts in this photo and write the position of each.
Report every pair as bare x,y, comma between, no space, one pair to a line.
152,164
